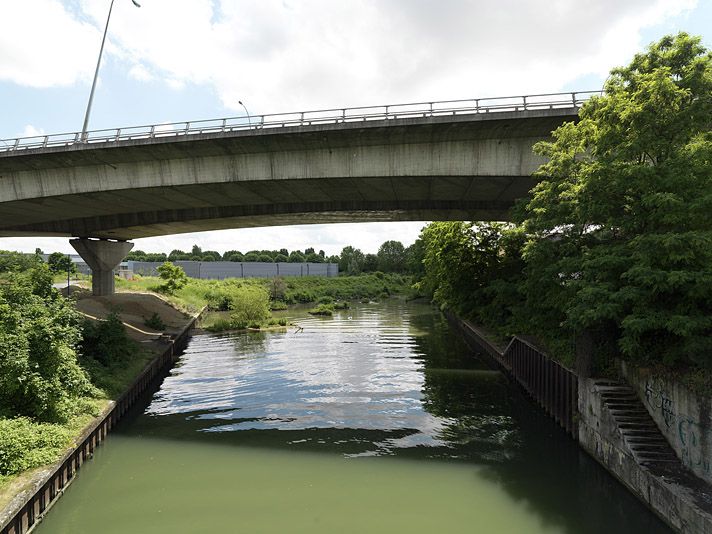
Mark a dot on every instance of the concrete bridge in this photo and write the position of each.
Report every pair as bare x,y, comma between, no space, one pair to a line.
457,160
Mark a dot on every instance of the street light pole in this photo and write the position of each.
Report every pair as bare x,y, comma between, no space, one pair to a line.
249,121
96,72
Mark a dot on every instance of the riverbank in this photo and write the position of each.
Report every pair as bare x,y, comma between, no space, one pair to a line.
153,348
608,420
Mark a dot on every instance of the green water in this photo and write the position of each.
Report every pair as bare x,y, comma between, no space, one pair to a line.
375,420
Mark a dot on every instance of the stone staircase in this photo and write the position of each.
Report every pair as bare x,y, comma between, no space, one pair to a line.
640,433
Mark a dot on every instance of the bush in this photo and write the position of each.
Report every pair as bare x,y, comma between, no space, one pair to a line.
173,276
106,341
155,322
249,305
25,444
341,305
277,305
39,331
326,299
323,309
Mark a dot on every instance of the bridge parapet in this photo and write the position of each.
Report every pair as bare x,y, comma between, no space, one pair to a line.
445,108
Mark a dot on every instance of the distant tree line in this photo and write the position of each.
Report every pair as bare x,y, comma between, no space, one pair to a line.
392,257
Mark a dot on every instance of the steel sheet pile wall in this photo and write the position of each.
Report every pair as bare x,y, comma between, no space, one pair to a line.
58,480
552,386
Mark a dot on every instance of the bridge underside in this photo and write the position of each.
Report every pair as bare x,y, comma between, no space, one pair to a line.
145,212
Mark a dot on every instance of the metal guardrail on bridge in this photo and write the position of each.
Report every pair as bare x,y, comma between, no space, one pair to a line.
304,118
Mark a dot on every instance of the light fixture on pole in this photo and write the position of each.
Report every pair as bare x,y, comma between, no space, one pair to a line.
249,121
96,72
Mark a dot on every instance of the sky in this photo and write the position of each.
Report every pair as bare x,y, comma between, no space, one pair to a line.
176,60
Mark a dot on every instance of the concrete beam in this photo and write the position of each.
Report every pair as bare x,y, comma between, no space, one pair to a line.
103,257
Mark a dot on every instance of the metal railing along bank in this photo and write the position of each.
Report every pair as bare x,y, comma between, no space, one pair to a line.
547,382
304,118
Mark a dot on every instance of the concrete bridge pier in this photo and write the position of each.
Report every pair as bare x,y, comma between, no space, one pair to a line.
103,256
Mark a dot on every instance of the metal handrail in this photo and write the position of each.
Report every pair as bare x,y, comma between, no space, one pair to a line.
304,118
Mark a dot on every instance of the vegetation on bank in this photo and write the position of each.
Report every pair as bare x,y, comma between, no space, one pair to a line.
614,249
57,370
250,301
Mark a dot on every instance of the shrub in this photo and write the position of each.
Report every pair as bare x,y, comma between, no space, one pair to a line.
155,322
173,276
249,305
39,331
323,309
25,444
106,341
282,321
276,305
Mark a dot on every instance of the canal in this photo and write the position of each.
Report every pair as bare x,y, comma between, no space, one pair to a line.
376,420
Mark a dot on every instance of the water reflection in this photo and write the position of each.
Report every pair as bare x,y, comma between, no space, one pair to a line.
368,390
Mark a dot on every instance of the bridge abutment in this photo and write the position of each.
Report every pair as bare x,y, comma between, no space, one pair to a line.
102,256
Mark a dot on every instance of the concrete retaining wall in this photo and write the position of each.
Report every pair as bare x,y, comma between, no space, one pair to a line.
684,417
600,437
218,270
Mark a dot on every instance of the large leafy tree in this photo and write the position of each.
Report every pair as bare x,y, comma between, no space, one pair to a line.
391,257
620,225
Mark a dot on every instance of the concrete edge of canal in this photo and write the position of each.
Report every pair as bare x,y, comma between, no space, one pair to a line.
28,508
610,423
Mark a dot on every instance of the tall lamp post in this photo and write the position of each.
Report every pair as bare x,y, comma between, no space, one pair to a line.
249,121
96,72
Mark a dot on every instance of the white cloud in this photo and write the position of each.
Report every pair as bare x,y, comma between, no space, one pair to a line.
279,55
31,131
42,44
141,73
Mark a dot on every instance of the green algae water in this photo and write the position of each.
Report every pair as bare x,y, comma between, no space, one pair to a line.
376,420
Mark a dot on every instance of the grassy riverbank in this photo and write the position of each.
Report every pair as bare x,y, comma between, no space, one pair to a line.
250,300
115,347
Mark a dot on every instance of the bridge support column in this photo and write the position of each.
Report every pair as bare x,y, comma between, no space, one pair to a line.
103,256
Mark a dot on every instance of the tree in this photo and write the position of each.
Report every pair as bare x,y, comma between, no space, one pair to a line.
620,225
391,257
176,255
414,256
251,257
196,251
370,263
314,258
173,276
296,257
16,261
266,258
351,260
39,334
60,263
229,254
281,258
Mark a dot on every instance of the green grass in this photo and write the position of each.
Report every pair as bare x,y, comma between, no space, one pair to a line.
216,293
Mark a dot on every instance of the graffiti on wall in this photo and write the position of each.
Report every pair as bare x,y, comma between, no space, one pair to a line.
694,438
658,399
